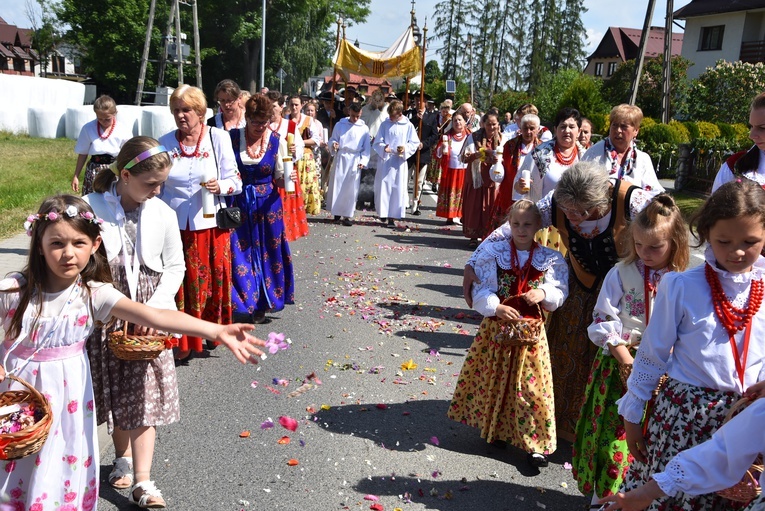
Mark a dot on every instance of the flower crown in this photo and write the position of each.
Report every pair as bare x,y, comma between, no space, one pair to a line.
52,216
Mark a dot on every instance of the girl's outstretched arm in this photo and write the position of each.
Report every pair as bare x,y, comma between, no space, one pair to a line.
235,337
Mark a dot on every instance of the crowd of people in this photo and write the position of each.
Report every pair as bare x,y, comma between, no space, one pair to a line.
581,277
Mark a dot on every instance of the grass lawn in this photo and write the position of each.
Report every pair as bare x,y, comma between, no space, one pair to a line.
30,170
688,203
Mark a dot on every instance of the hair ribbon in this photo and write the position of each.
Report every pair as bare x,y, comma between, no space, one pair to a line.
145,155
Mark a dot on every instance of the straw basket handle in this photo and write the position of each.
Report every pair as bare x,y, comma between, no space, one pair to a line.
36,393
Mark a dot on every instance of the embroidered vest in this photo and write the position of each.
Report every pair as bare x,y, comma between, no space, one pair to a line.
632,304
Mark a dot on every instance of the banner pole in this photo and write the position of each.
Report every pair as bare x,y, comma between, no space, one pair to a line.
421,105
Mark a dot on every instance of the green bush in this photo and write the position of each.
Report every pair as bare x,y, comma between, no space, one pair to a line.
584,95
681,133
741,134
707,130
692,128
648,122
726,131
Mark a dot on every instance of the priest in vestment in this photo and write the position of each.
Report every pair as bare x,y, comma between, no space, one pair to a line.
396,141
350,145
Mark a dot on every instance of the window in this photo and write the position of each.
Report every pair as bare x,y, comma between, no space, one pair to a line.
611,68
711,38
598,69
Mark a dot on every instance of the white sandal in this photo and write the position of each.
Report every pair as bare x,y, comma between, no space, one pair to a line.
150,492
123,468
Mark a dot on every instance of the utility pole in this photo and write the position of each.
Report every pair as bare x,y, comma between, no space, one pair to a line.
665,112
470,64
641,51
145,56
263,49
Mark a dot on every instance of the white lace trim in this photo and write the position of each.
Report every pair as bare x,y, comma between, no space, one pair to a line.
542,259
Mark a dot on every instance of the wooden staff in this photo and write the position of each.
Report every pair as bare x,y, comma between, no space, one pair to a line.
422,104
332,107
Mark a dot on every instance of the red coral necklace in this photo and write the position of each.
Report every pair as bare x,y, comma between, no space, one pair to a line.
562,159
734,319
108,132
261,149
196,148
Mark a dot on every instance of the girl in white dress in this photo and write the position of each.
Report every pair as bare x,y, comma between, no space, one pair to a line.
47,312
707,334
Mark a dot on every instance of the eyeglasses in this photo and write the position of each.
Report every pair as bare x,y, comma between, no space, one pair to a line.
226,101
254,122
575,213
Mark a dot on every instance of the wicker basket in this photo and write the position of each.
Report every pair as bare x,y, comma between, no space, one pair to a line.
748,488
137,347
625,370
521,332
31,439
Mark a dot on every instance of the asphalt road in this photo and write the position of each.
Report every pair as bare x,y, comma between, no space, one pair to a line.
369,299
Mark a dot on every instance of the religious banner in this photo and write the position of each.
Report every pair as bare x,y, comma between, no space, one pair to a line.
402,59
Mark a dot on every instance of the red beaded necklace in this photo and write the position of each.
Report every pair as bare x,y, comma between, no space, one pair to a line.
563,160
732,318
108,132
521,273
261,149
196,148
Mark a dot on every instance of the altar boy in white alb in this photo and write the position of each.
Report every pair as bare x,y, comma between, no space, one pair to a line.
396,141
350,145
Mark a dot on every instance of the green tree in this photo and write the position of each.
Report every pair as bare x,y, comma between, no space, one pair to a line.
616,89
723,93
552,88
432,71
45,32
583,93
449,20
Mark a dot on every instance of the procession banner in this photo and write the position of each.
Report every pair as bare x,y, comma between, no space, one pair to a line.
402,59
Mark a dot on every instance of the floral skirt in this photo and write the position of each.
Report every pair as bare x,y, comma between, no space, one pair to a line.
206,290
683,416
571,353
295,221
91,169
507,392
132,393
433,174
601,456
449,203
308,173
550,237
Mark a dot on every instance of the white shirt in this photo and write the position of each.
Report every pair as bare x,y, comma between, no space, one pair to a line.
454,148
725,174
686,340
90,142
158,241
183,191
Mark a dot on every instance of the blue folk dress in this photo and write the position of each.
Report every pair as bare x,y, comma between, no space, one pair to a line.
261,258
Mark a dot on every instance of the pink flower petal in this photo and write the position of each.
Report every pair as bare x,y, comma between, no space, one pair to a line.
434,440
288,423
373,498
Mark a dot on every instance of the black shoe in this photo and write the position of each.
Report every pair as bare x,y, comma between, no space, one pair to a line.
449,221
391,223
383,220
258,317
536,459
210,345
347,222
416,212
336,220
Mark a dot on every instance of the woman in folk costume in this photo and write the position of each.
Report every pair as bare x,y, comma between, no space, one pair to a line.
514,153
350,148
433,176
396,141
507,391
198,152
479,190
547,163
263,279
748,164
619,154
453,169
101,139
295,221
656,242
307,167
231,107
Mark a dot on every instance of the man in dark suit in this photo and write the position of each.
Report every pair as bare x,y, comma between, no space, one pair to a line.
328,115
428,141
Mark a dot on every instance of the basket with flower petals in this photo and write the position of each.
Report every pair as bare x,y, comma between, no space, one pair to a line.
26,428
525,331
128,346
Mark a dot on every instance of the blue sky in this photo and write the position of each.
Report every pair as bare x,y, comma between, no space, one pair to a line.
386,23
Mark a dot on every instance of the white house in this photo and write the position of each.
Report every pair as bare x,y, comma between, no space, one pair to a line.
728,30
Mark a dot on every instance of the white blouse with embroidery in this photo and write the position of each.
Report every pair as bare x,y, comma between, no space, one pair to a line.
686,340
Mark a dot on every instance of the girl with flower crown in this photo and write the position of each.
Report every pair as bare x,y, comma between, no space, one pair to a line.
706,333
48,311
143,246
656,242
